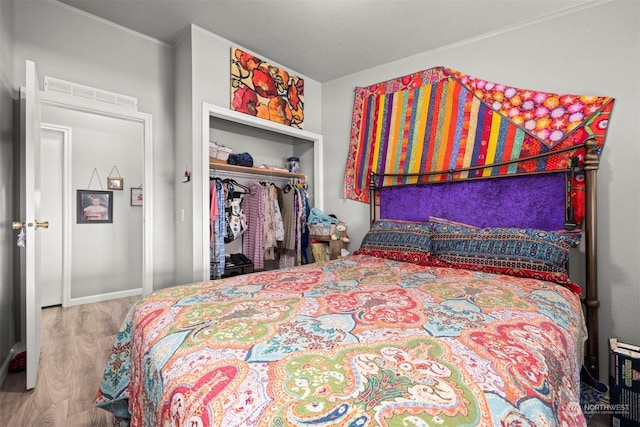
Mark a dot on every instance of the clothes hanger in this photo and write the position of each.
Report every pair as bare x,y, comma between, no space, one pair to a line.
233,184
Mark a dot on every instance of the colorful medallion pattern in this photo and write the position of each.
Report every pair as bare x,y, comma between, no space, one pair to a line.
360,341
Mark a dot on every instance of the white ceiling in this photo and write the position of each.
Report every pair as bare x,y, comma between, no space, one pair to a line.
327,39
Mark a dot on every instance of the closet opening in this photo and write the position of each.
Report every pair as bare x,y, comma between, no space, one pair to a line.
269,145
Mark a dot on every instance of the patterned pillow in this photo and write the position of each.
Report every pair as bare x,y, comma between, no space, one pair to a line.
522,252
398,240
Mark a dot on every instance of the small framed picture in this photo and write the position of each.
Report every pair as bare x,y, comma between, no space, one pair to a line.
136,197
114,183
94,207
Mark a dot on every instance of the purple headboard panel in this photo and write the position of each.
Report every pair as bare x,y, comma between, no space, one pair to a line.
527,201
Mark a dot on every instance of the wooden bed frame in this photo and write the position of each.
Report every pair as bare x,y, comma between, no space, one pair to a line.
589,227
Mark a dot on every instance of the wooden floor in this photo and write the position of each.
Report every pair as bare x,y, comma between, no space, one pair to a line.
75,345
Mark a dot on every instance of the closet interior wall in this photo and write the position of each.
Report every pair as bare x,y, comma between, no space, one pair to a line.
266,148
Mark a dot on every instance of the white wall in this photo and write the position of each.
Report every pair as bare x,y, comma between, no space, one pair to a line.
207,76
105,258
212,80
592,50
71,45
182,151
8,288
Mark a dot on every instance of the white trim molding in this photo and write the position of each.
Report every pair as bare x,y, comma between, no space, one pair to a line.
201,184
67,102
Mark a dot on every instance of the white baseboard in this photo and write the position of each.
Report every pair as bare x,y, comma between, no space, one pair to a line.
104,297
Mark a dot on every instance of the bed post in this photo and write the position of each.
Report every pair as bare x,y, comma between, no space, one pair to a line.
372,198
591,163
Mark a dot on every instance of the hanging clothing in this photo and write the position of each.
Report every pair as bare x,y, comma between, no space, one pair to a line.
213,209
234,216
217,254
253,238
273,230
306,208
294,207
269,220
277,215
288,208
289,217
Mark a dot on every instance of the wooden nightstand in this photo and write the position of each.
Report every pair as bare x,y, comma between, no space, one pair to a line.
335,246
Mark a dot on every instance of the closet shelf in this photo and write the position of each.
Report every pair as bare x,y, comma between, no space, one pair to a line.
213,165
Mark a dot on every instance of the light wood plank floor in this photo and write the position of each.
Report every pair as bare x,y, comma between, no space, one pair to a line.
75,345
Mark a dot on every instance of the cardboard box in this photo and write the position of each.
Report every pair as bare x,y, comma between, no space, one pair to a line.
624,384
219,152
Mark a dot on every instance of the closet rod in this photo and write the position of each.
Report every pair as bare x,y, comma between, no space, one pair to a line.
250,175
255,170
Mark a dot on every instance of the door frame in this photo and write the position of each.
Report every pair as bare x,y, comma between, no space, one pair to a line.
201,250
99,108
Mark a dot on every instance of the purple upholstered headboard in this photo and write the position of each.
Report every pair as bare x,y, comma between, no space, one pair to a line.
528,201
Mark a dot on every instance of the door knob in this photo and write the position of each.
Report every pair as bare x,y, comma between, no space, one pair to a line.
17,225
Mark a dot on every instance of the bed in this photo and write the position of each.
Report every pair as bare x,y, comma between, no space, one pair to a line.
380,337
351,342
449,313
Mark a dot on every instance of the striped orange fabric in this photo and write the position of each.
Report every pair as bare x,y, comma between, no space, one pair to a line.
440,119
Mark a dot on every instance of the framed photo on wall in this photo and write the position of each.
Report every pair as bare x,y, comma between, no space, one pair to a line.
136,197
94,207
114,183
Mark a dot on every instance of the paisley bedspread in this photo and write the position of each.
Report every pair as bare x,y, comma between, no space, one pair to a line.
358,341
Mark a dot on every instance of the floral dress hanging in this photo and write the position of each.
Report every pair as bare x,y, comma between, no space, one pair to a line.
235,218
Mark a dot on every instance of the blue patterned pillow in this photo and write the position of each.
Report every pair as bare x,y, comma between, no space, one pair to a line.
398,240
522,252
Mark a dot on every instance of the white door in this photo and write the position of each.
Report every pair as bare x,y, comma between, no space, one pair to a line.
49,272
31,221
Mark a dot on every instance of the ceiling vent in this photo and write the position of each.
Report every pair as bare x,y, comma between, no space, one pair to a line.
88,93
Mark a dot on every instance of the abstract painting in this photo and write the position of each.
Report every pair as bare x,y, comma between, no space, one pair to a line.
264,90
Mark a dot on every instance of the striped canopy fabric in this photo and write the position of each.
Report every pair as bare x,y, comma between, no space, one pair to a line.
440,120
